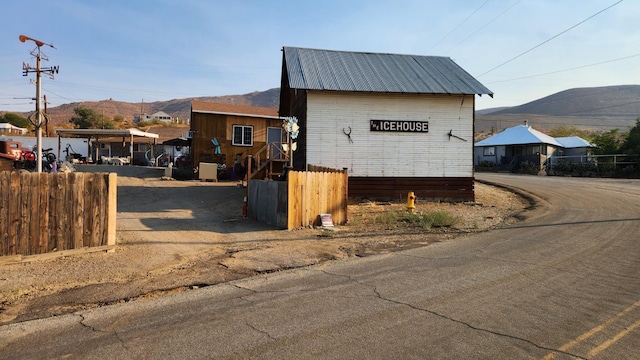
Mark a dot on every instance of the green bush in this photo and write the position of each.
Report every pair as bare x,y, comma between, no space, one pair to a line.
425,221
486,164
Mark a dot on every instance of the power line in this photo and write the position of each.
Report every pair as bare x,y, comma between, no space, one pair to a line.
483,26
564,70
457,26
553,37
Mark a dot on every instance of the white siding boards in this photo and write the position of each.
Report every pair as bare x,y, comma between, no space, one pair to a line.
337,94
368,153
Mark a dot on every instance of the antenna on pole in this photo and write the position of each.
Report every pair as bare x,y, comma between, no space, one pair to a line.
38,70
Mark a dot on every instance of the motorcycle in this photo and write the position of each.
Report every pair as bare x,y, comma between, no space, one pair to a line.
28,159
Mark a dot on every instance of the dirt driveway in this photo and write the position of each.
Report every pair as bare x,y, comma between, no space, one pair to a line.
179,235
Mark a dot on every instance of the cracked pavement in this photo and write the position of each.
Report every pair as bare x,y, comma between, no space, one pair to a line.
563,285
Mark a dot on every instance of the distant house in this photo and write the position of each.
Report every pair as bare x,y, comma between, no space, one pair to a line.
160,115
574,146
522,143
6,128
398,123
220,132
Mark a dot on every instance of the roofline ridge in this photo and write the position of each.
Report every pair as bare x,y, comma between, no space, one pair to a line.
366,52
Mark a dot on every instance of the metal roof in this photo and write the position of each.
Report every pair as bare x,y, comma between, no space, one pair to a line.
106,132
519,135
315,69
571,142
206,107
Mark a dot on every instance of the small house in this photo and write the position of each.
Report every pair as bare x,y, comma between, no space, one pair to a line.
398,123
159,115
225,133
524,144
574,147
6,128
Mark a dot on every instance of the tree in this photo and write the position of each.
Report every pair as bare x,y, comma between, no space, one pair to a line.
564,131
631,144
15,120
87,118
608,143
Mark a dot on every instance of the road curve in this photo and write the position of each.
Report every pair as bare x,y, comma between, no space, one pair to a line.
562,284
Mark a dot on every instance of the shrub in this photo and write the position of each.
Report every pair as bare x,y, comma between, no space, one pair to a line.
486,164
425,221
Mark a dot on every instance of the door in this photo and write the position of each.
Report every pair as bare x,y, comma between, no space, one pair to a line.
274,136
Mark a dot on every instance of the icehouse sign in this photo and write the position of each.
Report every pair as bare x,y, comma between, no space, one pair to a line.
399,125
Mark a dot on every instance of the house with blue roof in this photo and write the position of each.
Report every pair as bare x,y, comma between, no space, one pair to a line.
522,143
398,123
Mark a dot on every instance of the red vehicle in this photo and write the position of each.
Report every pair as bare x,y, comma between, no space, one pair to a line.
11,148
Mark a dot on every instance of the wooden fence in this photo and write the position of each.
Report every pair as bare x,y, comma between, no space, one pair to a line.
43,213
306,195
313,193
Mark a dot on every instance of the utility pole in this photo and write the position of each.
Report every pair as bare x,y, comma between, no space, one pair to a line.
38,70
46,114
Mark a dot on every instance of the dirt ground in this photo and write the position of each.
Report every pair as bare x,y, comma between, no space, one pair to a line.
180,235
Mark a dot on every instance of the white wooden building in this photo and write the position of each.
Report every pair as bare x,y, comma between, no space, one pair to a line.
398,123
159,115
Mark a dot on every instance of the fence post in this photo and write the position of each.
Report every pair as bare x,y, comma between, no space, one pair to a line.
112,203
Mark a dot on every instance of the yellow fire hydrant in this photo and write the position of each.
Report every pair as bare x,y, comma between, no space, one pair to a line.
411,201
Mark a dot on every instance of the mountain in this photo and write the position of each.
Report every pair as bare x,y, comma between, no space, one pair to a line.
181,108
490,110
595,108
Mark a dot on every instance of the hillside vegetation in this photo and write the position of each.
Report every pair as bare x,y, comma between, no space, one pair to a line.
597,108
181,108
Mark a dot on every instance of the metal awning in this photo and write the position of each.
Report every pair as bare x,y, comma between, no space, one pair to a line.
89,133
107,133
179,141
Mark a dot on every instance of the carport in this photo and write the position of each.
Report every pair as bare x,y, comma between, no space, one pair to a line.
97,134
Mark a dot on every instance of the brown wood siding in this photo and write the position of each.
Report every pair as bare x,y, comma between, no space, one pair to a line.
220,126
296,101
397,188
206,127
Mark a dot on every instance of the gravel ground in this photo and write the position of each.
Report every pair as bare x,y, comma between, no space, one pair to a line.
180,235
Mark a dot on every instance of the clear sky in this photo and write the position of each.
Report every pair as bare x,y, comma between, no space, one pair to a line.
143,50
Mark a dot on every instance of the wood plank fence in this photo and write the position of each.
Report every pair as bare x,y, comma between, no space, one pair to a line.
42,213
299,202
313,193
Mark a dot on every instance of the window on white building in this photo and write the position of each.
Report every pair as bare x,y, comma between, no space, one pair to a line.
489,151
242,135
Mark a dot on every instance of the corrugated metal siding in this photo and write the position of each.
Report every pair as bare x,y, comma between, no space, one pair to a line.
390,154
314,69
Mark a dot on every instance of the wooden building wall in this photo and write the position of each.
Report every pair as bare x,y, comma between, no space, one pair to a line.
369,153
206,126
387,164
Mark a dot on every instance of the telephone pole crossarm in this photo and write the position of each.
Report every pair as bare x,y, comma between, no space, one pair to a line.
39,71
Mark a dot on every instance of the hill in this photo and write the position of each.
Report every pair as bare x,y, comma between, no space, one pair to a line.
596,108
181,108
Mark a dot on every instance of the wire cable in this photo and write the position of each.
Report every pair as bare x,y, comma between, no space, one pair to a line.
563,70
483,26
457,26
553,37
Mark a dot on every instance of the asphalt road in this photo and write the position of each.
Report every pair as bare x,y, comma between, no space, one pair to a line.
563,284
